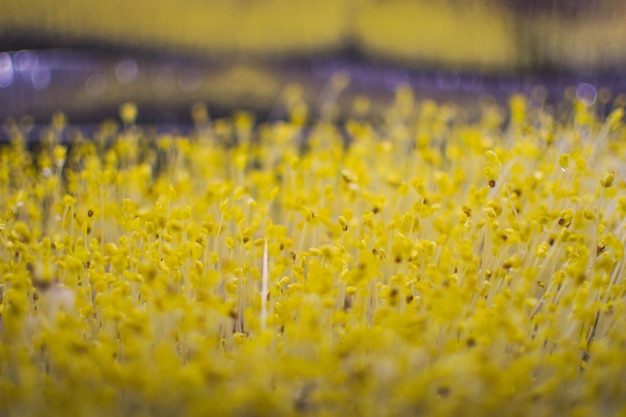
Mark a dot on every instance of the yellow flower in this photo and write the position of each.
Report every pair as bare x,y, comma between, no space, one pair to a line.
423,262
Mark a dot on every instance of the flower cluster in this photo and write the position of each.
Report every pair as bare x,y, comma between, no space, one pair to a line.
422,264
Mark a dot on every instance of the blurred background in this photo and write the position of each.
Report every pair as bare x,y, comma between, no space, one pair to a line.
86,57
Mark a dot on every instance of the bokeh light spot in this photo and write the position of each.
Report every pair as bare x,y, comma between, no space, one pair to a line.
41,77
6,70
586,94
126,71
96,85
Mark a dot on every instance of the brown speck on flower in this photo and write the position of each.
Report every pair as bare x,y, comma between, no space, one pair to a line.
443,391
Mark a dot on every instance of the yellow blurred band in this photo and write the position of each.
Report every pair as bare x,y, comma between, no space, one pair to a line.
481,34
